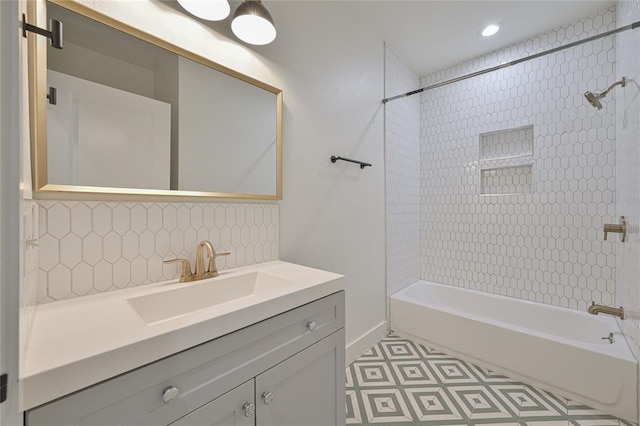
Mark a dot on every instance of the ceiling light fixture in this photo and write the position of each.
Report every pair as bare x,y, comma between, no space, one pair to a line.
209,10
490,30
252,23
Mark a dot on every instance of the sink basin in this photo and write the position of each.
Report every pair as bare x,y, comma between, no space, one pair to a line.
156,307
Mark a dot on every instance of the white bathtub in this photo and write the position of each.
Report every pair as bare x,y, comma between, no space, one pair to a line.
557,349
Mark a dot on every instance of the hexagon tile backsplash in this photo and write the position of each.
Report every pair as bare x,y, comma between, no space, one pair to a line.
93,247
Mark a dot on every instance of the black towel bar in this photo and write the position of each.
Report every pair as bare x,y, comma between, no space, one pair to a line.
335,158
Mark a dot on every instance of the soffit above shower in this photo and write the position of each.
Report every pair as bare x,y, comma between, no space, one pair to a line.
432,35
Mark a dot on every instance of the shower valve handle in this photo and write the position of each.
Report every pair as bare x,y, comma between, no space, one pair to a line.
609,338
617,229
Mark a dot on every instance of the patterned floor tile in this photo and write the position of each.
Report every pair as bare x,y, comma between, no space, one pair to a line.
385,406
488,376
353,408
587,416
373,374
538,404
489,407
413,373
480,403
399,382
426,352
510,394
399,349
467,397
433,406
373,354
349,377
452,370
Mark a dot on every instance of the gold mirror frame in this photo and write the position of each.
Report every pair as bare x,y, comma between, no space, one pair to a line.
37,58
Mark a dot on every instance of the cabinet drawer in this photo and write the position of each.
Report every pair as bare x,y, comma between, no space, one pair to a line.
200,374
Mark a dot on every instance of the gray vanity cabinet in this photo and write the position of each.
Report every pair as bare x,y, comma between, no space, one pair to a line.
297,356
303,390
227,410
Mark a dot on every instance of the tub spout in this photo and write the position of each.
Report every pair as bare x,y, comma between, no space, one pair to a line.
596,309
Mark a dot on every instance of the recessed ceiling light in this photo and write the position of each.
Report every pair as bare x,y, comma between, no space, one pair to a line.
490,30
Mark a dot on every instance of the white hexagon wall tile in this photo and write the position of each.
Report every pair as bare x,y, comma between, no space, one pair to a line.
544,241
92,247
402,174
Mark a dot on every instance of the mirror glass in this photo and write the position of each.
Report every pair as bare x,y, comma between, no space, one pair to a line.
131,114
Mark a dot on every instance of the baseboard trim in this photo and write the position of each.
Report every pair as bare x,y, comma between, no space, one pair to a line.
363,343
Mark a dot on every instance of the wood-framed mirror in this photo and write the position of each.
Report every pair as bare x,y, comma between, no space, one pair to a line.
136,117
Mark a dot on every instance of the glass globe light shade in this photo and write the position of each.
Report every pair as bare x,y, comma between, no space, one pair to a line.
252,23
209,10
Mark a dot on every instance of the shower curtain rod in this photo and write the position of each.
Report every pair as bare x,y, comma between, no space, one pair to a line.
514,62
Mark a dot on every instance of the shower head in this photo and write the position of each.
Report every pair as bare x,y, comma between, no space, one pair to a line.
594,98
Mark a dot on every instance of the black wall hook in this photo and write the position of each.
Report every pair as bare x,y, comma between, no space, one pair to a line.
55,34
53,96
335,158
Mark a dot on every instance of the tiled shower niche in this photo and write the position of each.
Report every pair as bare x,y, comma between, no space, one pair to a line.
506,146
510,143
506,180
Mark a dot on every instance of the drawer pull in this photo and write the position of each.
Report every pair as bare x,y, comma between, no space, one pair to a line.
267,397
311,325
170,394
248,409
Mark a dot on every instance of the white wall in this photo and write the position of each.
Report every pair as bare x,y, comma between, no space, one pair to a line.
547,245
628,170
402,147
332,215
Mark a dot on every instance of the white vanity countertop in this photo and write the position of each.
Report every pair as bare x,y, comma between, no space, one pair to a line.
79,342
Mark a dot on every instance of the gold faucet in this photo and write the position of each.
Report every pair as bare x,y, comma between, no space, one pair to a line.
200,273
596,309
199,257
213,269
186,275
